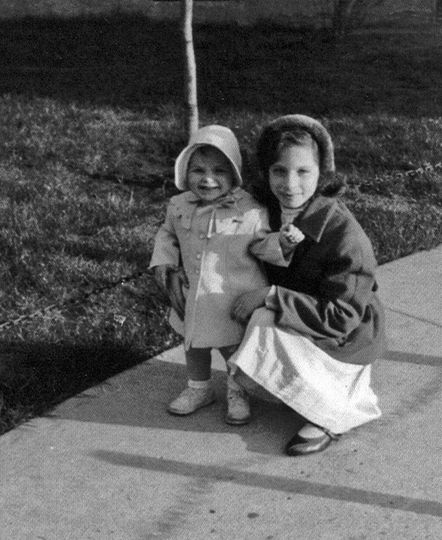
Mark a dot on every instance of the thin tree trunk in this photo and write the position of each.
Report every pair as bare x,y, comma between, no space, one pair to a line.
190,85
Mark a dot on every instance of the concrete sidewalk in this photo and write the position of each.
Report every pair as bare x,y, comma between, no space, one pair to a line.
111,463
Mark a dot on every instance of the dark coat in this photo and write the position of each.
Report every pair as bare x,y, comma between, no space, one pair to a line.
328,292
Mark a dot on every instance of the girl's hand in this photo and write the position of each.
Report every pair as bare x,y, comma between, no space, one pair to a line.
177,286
246,303
172,281
160,273
290,236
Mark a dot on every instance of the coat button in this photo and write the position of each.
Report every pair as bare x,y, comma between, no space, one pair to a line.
198,255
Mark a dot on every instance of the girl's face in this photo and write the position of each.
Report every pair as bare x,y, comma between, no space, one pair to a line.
293,178
209,175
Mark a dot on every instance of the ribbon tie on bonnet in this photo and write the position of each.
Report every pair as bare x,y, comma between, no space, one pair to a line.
226,201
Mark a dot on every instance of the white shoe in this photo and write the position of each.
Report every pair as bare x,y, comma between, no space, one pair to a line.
238,408
190,400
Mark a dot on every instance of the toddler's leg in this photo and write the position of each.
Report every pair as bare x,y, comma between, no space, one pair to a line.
238,407
199,392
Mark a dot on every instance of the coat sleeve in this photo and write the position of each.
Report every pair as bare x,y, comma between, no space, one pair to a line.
265,246
166,247
345,289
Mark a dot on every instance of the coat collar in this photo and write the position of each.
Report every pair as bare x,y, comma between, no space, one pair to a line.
314,219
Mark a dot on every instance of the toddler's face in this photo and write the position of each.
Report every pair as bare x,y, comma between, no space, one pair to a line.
294,176
209,175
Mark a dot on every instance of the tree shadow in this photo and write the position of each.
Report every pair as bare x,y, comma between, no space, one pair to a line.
413,358
232,475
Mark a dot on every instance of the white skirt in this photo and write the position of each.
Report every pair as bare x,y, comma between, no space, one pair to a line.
332,394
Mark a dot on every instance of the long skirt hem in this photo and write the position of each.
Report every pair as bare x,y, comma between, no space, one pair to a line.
292,369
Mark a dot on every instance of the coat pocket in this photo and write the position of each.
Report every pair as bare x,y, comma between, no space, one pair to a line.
227,226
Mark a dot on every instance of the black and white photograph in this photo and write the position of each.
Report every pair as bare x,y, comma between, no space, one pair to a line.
221,269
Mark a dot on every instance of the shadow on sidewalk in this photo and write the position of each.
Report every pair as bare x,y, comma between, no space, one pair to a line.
213,474
413,358
139,398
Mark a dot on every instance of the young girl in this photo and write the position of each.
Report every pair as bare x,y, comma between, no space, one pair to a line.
207,232
320,325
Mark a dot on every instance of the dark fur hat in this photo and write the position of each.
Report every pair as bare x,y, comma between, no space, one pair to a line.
291,122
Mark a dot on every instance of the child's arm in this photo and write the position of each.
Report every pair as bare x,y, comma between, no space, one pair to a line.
166,250
166,263
273,247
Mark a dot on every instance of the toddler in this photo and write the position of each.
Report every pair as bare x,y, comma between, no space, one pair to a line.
203,257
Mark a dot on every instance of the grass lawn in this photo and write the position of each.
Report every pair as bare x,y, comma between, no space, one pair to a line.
91,123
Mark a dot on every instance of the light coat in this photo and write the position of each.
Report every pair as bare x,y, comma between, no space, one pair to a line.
212,243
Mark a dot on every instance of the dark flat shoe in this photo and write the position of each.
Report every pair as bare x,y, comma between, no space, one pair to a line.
299,446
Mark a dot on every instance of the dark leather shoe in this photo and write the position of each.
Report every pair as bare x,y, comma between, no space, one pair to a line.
299,446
